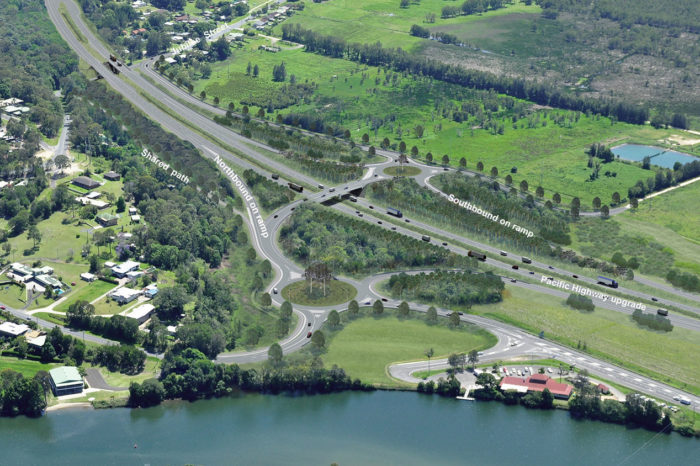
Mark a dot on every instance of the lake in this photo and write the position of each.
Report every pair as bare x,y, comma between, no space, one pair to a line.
388,428
659,156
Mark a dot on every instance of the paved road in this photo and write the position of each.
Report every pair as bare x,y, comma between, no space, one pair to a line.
286,271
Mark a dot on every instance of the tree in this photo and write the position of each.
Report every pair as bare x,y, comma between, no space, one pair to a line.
266,300
170,303
473,357
524,186
463,163
509,180
248,68
454,319
455,360
431,316
318,339
418,131
429,157
333,318
21,347
616,198
62,161
94,264
221,49
414,151
556,198
634,202
494,172
605,211
372,150
121,205
547,399
596,202
279,73
353,308
256,71
429,354
480,166
404,309
365,138
539,192
378,307
34,234
48,353
203,95
318,271
274,354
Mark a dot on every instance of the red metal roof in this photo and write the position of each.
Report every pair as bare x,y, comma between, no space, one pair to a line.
538,382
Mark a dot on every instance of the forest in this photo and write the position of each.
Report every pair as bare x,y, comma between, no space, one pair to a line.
270,194
447,288
349,245
401,61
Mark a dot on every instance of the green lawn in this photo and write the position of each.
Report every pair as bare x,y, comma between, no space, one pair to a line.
55,318
402,171
13,295
87,293
27,367
337,292
117,379
367,346
668,357
107,306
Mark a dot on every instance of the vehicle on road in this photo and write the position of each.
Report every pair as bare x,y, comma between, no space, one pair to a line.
550,267
275,291
360,215
460,313
332,190
607,282
477,255
549,369
308,335
395,212
353,198
3,308
515,267
526,260
112,57
292,208
393,228
503,253
513,280
295,187
444,243
654,299
320,186
275,216
385,300
425,238
371,207
531,272
309,324
379,222
575,276
662,312
685,401
406,220
275,176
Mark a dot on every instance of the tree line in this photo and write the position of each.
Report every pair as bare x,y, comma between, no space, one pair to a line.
686,280
190,375
270,194
400,60
652,320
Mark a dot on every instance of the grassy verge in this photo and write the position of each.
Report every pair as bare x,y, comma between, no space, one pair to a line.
608,335
402,171
71,25
88,293
337,292
53,318
366,346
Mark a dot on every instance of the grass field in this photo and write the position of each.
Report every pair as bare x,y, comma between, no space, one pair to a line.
27,367
13,295
365,347
117,379
369,21
55,318
668,357
337,292
548,154
88,293
402,171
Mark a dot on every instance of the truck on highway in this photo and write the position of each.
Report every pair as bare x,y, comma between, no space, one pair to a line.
426,238
395,212
526,260
607,282
275,176
477,255
295,187
662,312
112,57
111,67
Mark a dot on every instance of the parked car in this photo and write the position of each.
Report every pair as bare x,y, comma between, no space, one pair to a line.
3,308
549,369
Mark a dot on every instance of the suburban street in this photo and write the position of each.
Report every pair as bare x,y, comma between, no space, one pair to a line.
512,342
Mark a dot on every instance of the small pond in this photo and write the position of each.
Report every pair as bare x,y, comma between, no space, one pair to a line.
660,157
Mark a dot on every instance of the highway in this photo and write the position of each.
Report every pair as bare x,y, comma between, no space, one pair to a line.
132,85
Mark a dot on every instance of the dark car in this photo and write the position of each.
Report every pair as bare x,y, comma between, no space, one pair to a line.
575,276
371,207
512,280
393,228
652,298
515,267
532,273
407,221
460,313
309,324
385,300
275,216
444,244
360,215
308,335
379,222
292,208
552,268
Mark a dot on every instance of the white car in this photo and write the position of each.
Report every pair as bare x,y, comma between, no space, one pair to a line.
549,369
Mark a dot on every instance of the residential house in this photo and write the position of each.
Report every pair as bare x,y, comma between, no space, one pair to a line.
536,383
85,182
124,295
107,220
141,313
125,267
10,329
66,380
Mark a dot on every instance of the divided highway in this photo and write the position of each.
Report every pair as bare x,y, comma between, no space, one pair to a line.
132,85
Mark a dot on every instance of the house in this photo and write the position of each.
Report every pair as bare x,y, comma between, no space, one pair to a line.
66,380
141,313
135,274
47,281
536,383
84,200
136,218
45,270
21,271
151,290
133,211
125,267
107,220
170,60
11,101
602,388
36,338
10,329
124,295
88,277
93,195
3,184
85,182
112,176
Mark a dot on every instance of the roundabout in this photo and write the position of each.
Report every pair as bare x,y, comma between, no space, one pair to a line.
336,293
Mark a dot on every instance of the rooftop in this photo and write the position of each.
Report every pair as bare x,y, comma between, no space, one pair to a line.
10,328
537,383
65,375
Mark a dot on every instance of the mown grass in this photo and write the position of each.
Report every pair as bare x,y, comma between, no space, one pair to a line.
402,171
337,292
366,346
88,293
117,379
27,367
613,336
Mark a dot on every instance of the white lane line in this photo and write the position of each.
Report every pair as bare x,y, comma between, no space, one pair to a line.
623,374
595,364
652,385
667,390
608,369
567,354
581,358
637,379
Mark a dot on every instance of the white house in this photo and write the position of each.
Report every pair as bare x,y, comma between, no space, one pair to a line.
141,313
122,269
88,277
124,295
10,329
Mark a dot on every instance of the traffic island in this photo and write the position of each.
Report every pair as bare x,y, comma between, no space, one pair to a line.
333,293
402,171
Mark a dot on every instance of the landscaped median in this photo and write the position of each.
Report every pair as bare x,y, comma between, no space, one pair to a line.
332,293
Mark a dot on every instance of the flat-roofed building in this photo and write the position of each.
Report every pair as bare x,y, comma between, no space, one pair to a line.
141,313
85,182
66,380
125,267
124,295
537,383
88,277
107,220
11,329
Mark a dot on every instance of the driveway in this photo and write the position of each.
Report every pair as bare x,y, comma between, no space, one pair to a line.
95,380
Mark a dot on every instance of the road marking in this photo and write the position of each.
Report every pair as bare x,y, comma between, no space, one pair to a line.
652,385
581,358
567,354
623,374
294,275
667,390
608,369
595,364
637,380
369,174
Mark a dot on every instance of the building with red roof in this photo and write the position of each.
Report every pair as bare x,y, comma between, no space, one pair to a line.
537,383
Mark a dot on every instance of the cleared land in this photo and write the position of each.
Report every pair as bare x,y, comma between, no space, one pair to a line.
27,367
88,293
367,346
337,292
668,357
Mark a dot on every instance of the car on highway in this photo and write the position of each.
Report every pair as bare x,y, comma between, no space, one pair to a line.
444,243
360,215
379,222
375,175
654,299
550,267
445,169
332,190
685,401
406,220
357,211
275,176
275,291
513,280
393,228
367,303
320,186
292,208
371,207
385,300
275,216
531,272
503,253
346,187
308,335
3,308
515,267
460,313
309,324
575,276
